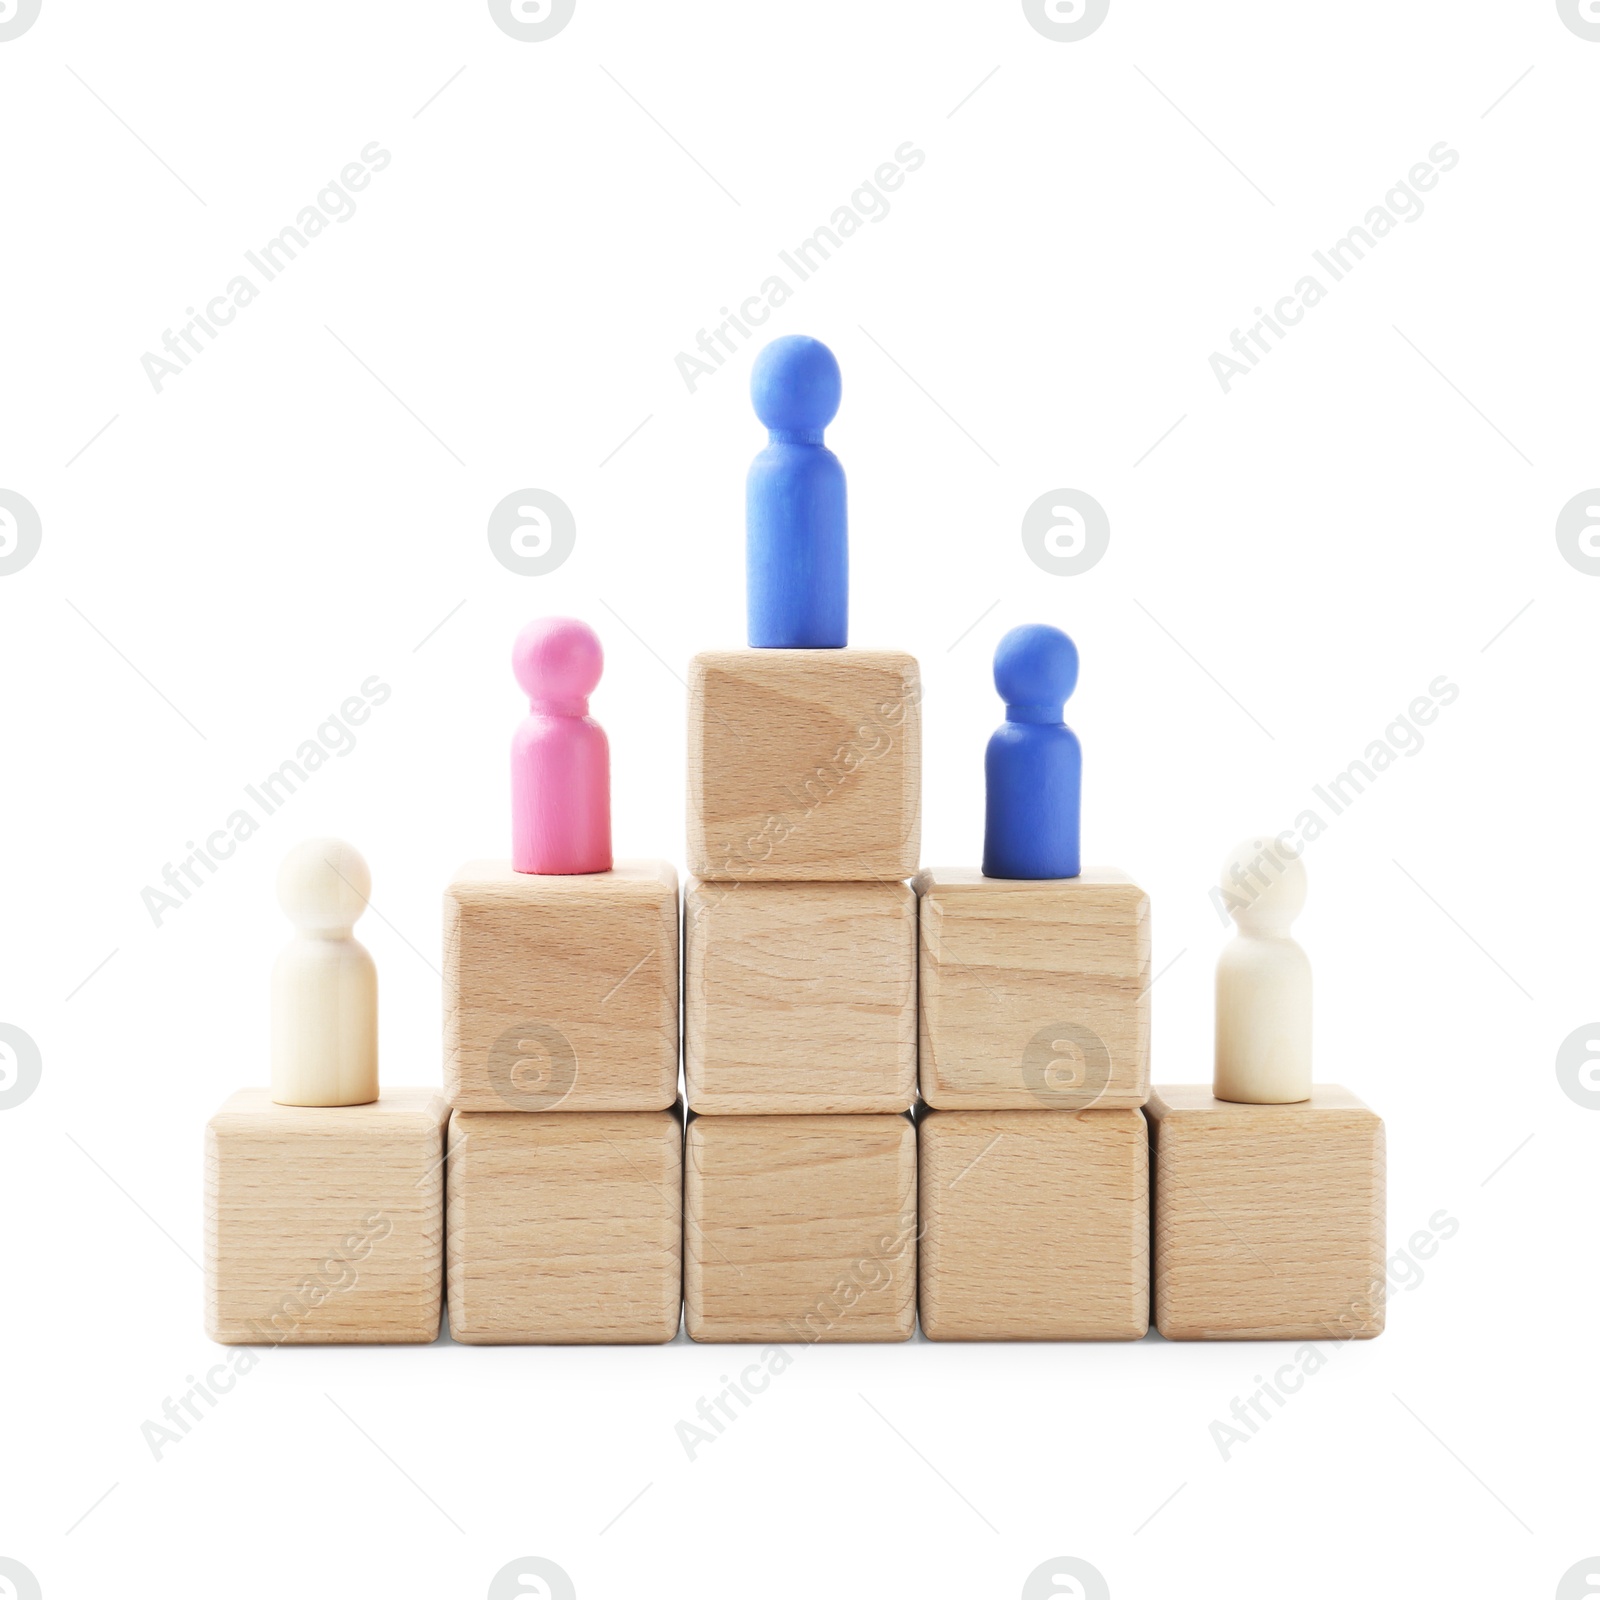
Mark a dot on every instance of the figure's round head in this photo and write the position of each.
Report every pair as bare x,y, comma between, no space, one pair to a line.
794,385
1036,665
557,658
324,885
1263,885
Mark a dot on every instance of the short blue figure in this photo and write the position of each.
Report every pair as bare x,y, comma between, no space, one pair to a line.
797,558
1033,767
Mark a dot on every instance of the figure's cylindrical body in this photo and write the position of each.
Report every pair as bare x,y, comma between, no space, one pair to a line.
560,794
324,1023
1263,1042
1033,777
560,761
797,558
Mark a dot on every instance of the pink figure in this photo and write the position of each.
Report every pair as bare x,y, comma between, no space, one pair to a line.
560,761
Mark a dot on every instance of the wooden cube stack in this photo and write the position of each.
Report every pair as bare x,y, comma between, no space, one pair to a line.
557,1190
552,1187
1035,1046
552,1194
565,1170
800,1023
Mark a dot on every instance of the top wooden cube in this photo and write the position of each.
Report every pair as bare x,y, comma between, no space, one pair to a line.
804,765
561,992
1034,993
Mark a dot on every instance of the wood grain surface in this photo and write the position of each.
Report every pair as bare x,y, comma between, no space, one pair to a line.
325,1224
800,1229
804,764
1269,1219
561,993
1034,994
800,997
565,1229
1035,1224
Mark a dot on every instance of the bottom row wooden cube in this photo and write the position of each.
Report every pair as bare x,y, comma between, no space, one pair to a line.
324,1224
1035,1224
565,1227
1269,1220
800,1228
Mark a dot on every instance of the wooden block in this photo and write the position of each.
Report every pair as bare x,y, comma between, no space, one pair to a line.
1269,1219
800,997
561,993
565,1230
800,1228
1035,1224
1035,993
804,765
325,1225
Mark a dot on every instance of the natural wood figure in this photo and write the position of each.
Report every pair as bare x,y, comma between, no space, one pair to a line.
804,765
1035,1224
565,1229
325,1225
1269,1219
561,992
324,983
1034,993
800,1229
800,997
1263,1054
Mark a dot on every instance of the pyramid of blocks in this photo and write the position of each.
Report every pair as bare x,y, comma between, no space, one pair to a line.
909,1093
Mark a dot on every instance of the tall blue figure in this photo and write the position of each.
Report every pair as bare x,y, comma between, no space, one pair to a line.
1034,767
797,559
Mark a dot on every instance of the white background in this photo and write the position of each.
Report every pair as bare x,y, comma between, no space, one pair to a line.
307,502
